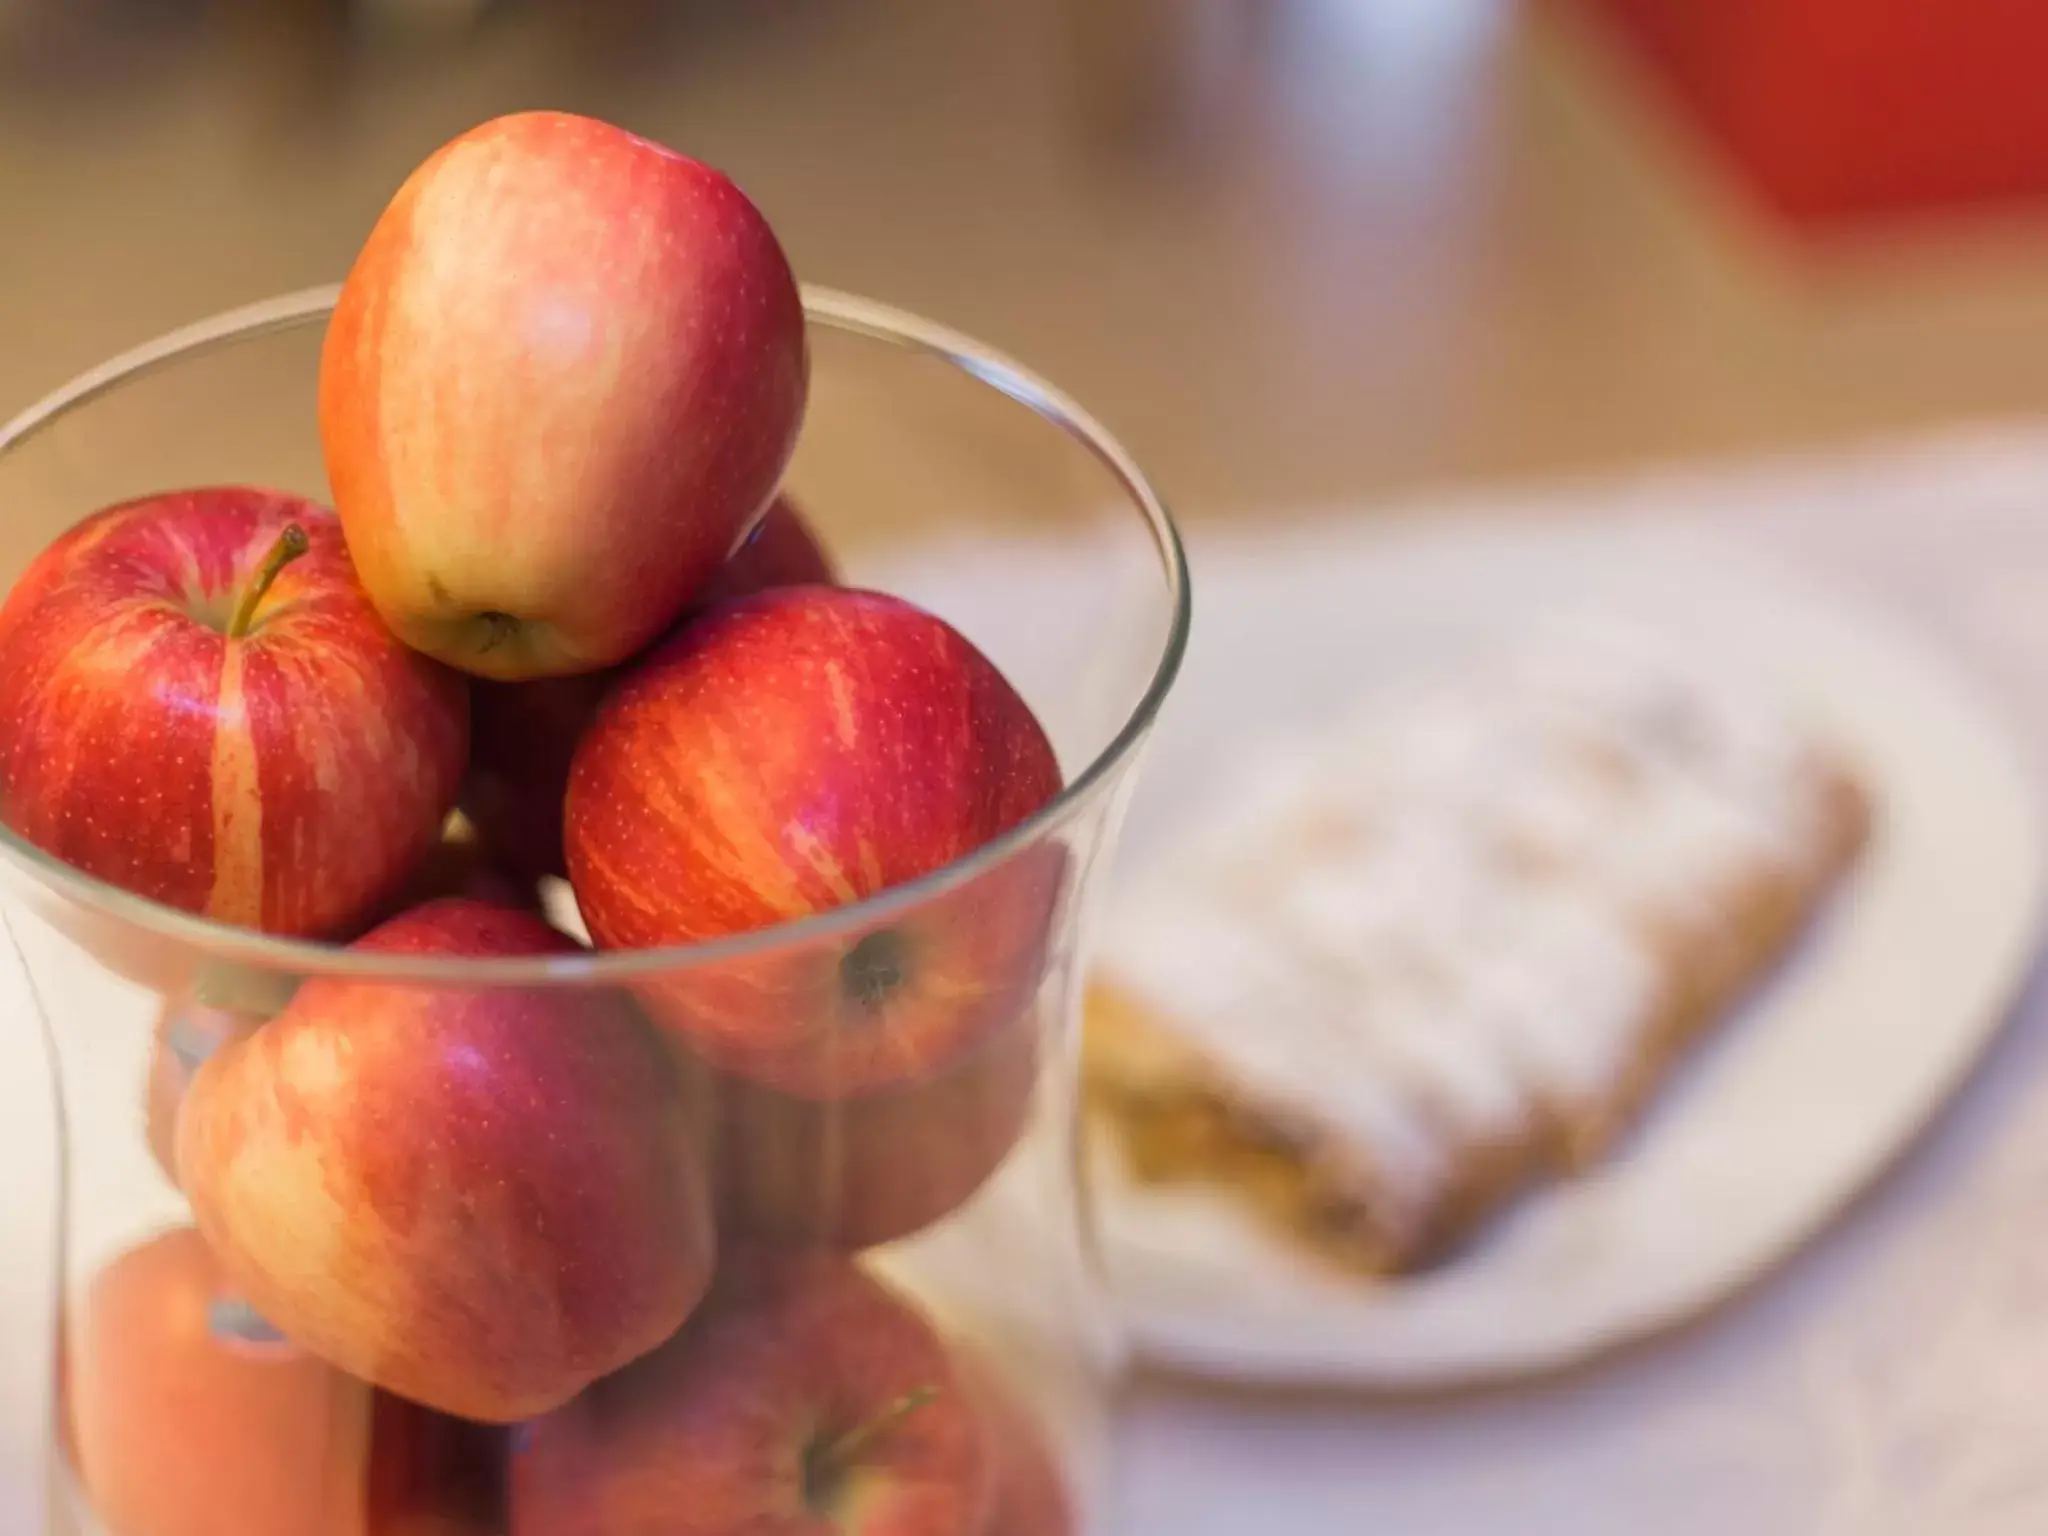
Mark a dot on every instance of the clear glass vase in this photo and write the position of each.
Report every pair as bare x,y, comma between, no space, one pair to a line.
455,1208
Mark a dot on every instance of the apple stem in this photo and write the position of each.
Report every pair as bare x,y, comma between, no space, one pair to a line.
290,544
498,629
875,968
834,1458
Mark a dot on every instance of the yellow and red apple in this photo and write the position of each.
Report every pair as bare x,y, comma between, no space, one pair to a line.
199,705
805,1398
792,753
190,1417
481,1199
563,379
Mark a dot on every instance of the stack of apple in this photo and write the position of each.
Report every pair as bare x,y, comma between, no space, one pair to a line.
559,589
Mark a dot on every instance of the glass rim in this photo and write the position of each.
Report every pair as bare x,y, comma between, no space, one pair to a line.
830,308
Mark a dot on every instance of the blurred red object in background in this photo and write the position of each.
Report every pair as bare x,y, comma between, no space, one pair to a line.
1841,111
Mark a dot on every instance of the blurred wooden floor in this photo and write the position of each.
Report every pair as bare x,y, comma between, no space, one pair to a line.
1296,251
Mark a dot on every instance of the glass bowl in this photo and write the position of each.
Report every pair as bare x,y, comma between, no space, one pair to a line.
468,1190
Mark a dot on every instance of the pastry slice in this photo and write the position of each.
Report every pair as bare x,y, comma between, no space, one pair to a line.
1405,968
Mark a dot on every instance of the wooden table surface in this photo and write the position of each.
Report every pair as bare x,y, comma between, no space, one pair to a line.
1296,251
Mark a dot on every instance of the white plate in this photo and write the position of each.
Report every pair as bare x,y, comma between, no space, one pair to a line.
1777,1122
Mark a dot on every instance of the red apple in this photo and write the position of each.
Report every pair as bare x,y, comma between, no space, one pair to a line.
481,1200
460,864
783,550
201,1418
564,376
186,1034
432,1475
1031,1497
190,1417
858,1172
198,704
791,753
805,1398
524,735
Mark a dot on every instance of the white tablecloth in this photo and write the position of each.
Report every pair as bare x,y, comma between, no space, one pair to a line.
1891,1382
